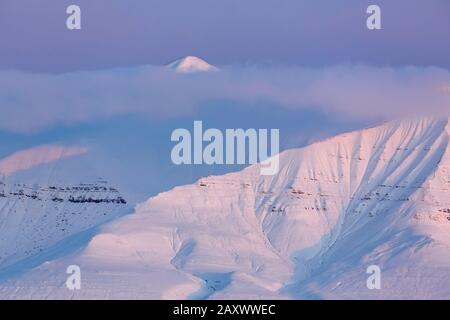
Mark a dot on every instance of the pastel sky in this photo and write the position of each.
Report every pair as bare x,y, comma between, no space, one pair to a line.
119,33
308,67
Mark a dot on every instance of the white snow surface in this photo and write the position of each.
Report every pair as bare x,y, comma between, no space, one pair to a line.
49,193
191,64
379,196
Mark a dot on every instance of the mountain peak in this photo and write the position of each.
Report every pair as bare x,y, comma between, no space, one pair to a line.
191,64
377,197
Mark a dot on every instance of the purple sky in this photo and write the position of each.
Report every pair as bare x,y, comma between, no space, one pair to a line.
119,33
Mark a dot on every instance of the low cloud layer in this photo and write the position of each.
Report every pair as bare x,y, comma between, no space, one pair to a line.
29,158
32,102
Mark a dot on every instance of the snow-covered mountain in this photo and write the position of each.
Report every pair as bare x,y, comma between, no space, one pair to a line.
191,64
379,196
49,193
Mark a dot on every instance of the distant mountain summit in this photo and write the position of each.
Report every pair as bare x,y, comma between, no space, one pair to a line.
191,64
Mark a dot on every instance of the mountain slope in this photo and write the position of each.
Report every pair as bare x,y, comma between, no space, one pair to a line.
47,194
373,197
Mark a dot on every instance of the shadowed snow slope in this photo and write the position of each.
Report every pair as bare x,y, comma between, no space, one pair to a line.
374,197
47,194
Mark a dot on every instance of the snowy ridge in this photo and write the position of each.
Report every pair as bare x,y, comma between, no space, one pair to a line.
379,196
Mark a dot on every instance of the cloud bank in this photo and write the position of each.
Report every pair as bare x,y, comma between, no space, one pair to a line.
29,158
31,102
